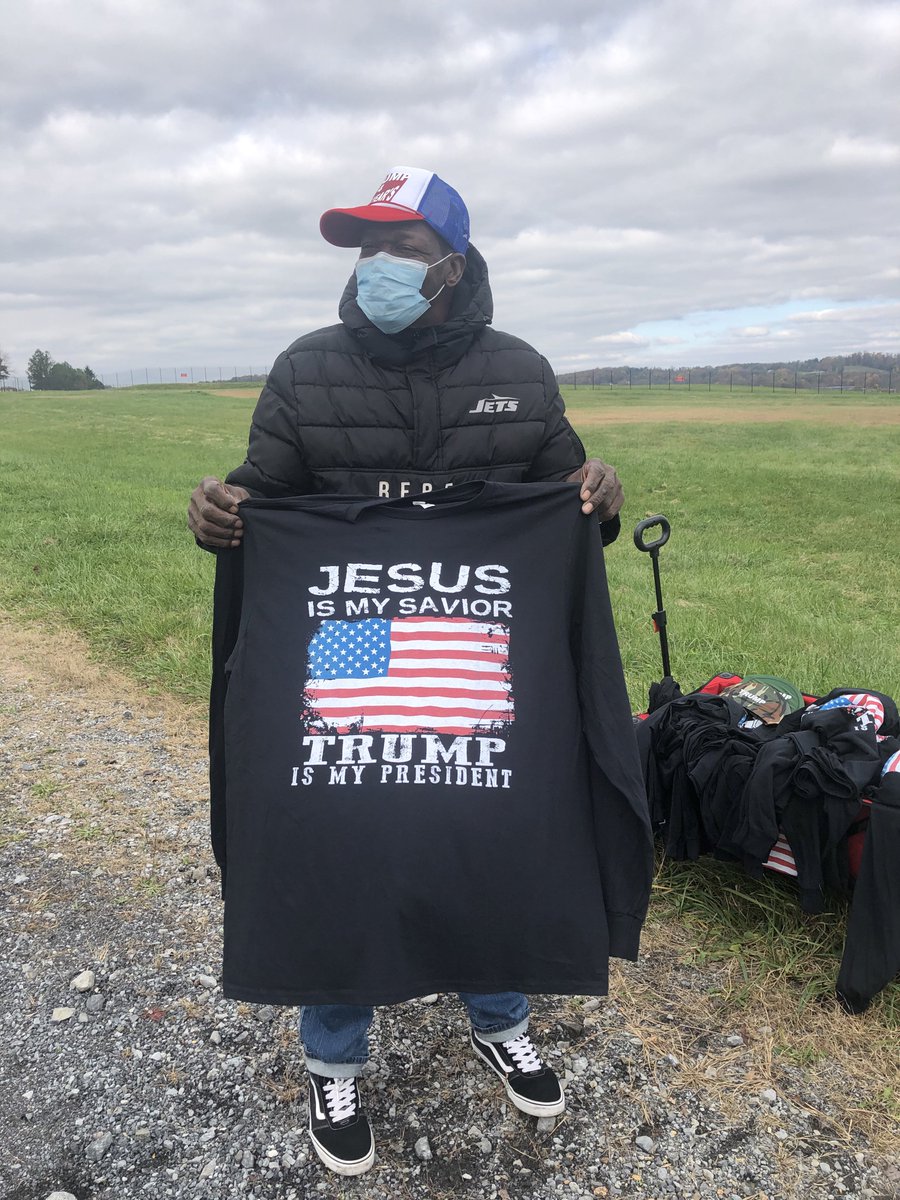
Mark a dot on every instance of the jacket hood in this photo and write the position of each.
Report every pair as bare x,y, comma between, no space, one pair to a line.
472,310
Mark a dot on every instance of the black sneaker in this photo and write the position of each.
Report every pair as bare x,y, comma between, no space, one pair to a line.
339,1129
530,1084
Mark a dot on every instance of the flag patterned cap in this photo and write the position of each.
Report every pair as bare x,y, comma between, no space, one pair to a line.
407,194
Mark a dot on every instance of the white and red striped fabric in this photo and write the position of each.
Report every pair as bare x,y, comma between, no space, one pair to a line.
781,858
409,674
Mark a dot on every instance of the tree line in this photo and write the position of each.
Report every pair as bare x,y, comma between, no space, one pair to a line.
46,375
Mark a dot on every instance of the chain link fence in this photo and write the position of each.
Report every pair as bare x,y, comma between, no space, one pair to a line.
840,379
166,376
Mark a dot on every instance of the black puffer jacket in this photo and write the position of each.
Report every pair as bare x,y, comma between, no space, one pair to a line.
350,409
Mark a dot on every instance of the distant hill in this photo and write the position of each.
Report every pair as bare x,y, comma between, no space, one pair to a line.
853,372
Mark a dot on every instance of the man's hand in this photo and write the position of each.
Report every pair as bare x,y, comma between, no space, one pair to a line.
601,491
212,513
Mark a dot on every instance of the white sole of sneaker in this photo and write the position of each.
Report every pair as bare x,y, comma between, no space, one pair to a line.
536,1110
530,1107
359,1167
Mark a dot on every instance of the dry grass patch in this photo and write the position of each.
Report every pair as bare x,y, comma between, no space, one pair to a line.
814,1055
868,415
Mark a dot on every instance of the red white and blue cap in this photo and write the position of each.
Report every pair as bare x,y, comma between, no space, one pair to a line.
407,194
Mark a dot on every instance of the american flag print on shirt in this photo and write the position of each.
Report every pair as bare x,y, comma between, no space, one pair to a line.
408,675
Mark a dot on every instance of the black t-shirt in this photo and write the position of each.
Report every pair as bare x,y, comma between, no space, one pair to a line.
432,781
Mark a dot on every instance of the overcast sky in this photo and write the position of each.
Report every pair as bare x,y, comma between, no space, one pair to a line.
675,182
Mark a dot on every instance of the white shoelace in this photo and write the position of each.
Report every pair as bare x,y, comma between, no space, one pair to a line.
523,1053
340,1098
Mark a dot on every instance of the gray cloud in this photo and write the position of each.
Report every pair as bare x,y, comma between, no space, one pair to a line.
166,165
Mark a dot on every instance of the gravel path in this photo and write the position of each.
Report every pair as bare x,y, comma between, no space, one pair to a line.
124,1073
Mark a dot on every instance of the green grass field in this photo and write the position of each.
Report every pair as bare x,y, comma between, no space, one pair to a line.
783,560
783,556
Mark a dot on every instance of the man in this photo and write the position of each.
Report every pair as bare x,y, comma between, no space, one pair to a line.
411,392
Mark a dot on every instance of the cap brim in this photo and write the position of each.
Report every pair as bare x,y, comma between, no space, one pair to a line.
343,226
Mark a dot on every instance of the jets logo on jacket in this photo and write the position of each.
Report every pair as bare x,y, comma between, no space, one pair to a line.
494,403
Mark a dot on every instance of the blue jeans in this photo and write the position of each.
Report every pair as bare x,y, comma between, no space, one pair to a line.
335,1037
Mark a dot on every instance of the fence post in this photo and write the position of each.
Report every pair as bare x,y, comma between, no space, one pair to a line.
689,380
731,381
818,381
795,382
709,380
842,381
629,376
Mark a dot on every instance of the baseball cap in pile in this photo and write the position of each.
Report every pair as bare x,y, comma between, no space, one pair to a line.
767,697
407,194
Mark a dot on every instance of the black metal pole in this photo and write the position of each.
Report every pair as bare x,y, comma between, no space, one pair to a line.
659,617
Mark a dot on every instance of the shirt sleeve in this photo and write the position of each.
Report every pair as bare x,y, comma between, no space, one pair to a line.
275,464
562,450
623,834
872,949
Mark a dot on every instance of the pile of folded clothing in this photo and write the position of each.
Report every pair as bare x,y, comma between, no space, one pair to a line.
751,769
